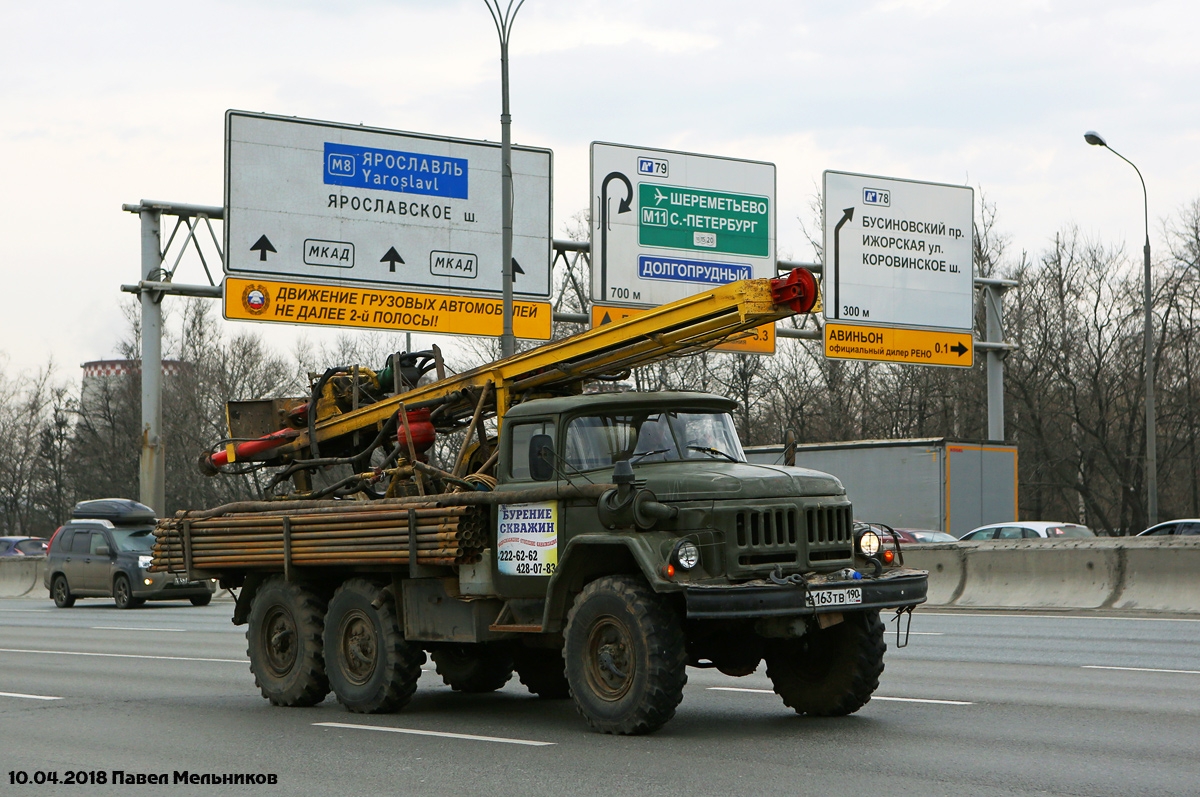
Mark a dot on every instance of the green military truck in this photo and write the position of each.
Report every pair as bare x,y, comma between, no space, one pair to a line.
620,539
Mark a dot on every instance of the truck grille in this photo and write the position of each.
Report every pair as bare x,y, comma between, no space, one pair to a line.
780,535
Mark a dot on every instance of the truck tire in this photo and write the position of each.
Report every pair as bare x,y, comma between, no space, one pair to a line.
625,656
371,668
61,592
542,672
473,668
829,672
284,643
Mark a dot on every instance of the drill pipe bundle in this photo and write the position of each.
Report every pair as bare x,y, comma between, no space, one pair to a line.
366,534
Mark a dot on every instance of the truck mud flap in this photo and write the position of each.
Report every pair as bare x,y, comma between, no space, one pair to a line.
747,602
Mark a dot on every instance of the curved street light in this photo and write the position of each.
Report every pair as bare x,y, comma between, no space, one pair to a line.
1095,139
504,19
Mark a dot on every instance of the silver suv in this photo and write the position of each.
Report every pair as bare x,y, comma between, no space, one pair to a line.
104,551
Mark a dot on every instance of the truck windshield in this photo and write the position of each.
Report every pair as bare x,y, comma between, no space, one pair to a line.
597,441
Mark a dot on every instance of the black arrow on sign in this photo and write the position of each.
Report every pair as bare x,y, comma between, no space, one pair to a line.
623,207
959,349
262,246
516,269
392,258
605,320
847,215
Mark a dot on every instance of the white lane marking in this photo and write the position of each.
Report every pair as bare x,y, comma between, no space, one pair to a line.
873,697
924,700
1138,669
444,734
28,697
118,655
1062,617
122,628
923,633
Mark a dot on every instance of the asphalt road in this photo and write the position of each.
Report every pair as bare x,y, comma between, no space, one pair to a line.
977,704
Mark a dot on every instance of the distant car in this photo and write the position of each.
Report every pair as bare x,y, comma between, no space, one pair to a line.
1185,527
1028,530
23,546
924,535
104,551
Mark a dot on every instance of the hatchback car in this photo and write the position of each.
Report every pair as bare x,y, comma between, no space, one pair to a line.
104,551
1185,527
23,546
1028,530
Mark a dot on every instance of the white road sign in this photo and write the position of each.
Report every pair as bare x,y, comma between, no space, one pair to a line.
898,252
666,225
346,204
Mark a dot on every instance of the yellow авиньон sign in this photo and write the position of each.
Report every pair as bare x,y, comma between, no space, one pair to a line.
890,344
757,340
366,308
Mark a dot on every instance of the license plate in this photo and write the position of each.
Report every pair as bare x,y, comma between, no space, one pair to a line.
834,597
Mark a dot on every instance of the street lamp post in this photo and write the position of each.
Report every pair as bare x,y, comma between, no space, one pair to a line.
504,21
1095,139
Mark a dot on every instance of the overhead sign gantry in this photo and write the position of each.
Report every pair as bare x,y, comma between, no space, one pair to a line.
899,264
402,230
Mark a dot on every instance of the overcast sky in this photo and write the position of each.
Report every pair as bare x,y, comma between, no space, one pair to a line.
105,103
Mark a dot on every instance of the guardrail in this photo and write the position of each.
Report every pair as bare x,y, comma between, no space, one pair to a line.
1122,574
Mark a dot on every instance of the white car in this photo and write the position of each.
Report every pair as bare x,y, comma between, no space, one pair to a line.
1176,528
1028,530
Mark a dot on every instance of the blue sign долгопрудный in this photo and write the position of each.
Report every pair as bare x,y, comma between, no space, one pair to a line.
392,170
703,272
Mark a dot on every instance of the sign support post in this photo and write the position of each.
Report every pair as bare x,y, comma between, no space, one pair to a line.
152,490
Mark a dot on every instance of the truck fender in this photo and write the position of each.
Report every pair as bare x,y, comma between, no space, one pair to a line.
588,557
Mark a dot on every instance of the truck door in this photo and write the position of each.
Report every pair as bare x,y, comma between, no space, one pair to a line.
525,544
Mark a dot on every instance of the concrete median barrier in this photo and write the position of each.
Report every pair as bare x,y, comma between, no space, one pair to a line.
21,577
1153,575
1159,578
947,571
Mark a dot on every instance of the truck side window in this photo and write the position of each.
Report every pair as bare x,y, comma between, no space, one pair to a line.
519,454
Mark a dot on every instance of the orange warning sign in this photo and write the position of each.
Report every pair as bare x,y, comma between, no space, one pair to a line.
366,308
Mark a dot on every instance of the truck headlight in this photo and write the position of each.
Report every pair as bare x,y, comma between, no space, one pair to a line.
686,555
869,543
144,561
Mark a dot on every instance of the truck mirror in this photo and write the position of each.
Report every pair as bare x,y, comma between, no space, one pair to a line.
541,449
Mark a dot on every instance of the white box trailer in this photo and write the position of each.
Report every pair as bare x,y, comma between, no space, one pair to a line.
929,483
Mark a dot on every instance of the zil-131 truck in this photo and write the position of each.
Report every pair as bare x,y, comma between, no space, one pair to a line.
598,545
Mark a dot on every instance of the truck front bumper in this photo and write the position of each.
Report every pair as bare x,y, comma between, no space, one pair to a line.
894,590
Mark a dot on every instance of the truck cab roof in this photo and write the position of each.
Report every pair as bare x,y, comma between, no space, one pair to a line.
598,402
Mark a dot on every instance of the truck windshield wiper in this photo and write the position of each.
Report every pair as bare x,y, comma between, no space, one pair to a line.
639,455
708,450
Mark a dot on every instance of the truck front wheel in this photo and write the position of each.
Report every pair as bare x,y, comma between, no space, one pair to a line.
625,656
832,671
284,636
372,669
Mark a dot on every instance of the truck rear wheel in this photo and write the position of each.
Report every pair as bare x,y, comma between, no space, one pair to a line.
625,656
284,636
832,671
542,672
372,669
473,668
